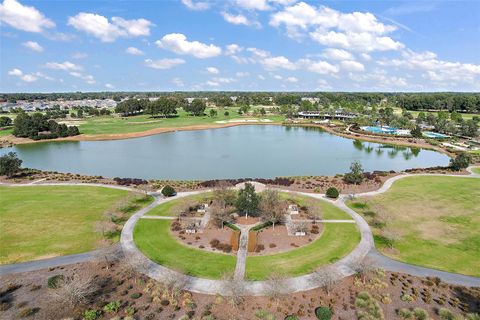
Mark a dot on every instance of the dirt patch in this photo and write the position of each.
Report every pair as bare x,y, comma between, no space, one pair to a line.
203,240
247,221
277,240
147,299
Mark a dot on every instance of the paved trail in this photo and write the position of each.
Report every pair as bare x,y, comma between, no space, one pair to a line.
343,266
242,253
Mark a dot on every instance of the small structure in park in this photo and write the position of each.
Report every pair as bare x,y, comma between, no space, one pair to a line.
293,209
191,228
202,208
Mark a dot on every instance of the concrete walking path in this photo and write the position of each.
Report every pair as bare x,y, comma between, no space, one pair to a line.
343,267
47,263
239,273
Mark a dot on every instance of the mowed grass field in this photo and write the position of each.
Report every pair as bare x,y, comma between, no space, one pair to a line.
476,170
115,124
335,242
437,218
46,221
153,238
167,209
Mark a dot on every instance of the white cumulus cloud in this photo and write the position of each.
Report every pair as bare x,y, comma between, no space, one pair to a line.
163,63
65,66
24,18
32,45
253,4
196,5
336,54
134,51
179,44
213,70
236,19
108,31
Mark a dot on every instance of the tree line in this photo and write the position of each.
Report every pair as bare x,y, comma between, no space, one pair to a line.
164,106
465,102
38,127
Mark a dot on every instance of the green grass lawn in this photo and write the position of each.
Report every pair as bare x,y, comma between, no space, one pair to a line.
153,238
116,124
5,132
46,221
328,211
166,208
437,218
476,170
336,241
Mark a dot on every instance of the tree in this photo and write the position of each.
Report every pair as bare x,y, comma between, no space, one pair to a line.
355,175
326,278
460,162
75,289
197,107
9,164
213,113
247,200
272,207
417,132
220,214
5,121
332,192
224,194
314,209
233,288
168,191
363,268
391,236
469,128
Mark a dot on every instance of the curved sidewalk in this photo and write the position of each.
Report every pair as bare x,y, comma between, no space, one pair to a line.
302,283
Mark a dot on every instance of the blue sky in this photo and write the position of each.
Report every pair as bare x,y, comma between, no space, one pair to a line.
248,45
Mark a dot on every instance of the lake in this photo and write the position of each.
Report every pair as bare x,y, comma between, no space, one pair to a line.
253,151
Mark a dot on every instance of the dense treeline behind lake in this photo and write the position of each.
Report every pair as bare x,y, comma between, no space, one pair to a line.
463,102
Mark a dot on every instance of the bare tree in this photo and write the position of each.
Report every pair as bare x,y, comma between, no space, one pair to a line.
174,283
224,194
133,265
107,254
220,213
273,208
314,209
391,235
182,208
75,289
363,268
234,289
326,278
276,286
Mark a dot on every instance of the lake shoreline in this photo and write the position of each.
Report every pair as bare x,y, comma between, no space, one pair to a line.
11,140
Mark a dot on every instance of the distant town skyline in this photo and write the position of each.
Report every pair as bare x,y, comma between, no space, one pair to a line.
239,45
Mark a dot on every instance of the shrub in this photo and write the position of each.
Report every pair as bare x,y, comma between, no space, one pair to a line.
168,191
291,317
446,314
407,298
214,243
135,295
420,314
112,307
55,282
26,312
405,313
332,192
92,314
460,162
323,313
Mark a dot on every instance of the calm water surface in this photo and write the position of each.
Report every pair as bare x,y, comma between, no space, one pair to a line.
235,152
